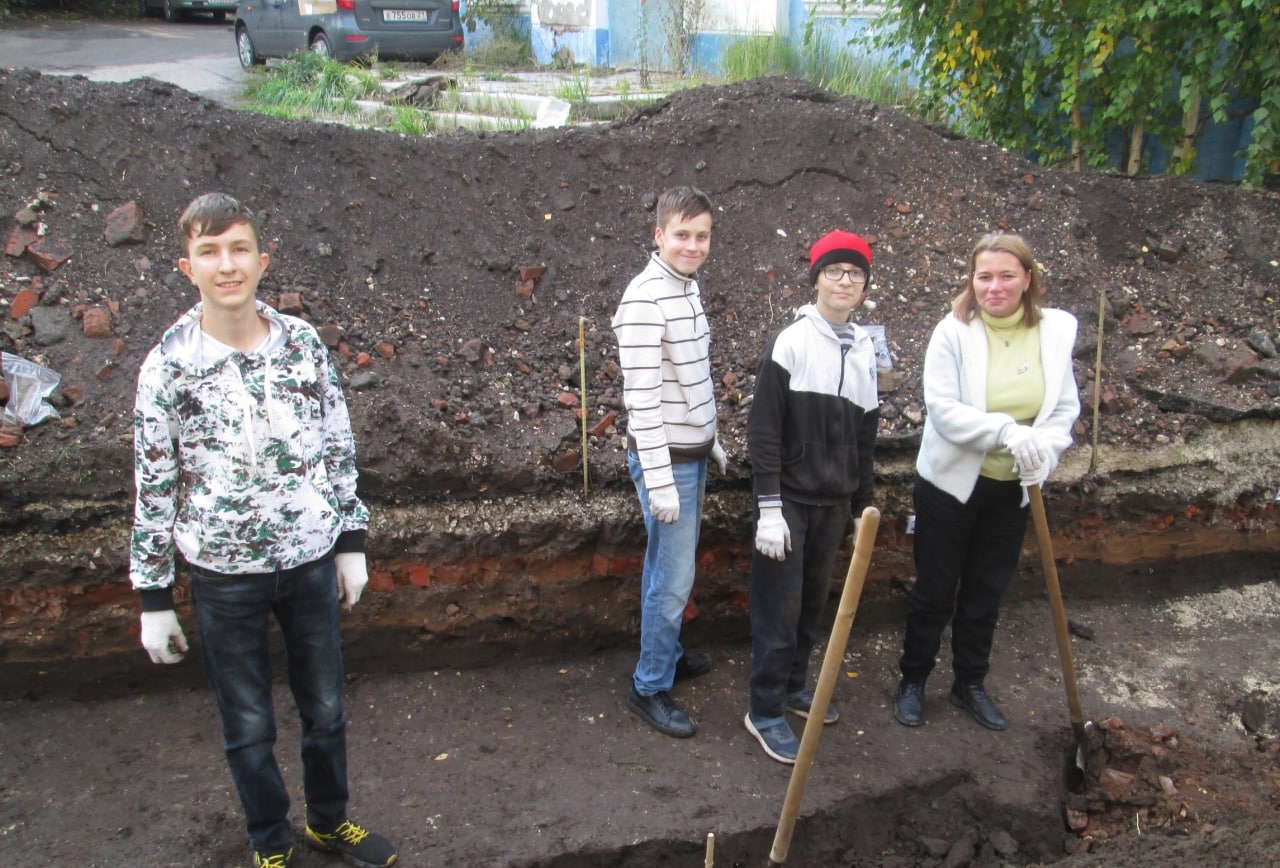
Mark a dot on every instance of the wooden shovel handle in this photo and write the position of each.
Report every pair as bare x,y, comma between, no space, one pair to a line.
831,663
1055,604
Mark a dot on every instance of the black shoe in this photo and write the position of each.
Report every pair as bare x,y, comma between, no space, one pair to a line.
355,844
692,664
661,712
908,707
973,699
273,858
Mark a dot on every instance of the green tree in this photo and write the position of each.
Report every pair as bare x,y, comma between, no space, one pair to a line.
1061,78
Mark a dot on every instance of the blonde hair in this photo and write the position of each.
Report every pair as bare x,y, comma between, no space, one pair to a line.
965,305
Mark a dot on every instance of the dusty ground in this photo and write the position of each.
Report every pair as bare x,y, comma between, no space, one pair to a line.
410,251
538,762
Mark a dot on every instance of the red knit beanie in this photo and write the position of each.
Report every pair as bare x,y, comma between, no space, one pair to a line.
838,247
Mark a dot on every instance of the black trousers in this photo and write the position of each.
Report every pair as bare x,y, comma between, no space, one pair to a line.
787,600
965,556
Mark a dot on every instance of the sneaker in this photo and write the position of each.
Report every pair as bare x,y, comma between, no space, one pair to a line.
908,706
692,664
973,699
264,859
801,701
661,712
355,844
777,739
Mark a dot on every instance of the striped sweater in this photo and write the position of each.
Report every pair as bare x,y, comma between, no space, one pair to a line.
664,349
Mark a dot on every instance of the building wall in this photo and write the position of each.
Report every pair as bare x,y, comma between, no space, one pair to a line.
632,34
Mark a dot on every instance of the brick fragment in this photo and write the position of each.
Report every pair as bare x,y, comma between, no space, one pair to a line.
50,252
125,225
96,323
23,302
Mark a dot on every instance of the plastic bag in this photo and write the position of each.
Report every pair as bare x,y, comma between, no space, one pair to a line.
29,387
884,361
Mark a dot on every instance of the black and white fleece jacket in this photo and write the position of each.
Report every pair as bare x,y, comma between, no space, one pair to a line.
664,350
812,429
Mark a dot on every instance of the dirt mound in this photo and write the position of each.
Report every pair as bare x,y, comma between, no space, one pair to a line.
413,247
451,277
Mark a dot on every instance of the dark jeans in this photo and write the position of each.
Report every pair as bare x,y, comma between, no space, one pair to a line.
965,555
787,599
233,613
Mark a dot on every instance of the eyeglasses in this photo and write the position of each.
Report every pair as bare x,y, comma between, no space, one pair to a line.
834,272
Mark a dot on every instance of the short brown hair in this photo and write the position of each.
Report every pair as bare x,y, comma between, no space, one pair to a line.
683,202
965,305
213,214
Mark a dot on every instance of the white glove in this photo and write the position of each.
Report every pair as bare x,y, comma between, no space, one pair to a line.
353,575
1028,450
773,537
162,636
1040,475
664,504
718,458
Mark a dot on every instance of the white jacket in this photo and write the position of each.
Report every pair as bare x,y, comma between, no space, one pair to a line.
958,431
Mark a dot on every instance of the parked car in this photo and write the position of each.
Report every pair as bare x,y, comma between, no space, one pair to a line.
176,10
347,29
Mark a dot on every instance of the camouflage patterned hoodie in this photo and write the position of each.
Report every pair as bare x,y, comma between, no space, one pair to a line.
247,465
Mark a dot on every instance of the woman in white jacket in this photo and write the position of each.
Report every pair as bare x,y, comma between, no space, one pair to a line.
1001,400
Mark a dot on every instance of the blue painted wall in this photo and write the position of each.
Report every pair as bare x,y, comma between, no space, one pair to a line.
635,29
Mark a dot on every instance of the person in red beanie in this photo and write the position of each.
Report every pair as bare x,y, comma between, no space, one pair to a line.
811,435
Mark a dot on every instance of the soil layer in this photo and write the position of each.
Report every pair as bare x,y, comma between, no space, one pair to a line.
452,277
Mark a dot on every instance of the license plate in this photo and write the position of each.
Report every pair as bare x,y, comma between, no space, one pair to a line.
405,15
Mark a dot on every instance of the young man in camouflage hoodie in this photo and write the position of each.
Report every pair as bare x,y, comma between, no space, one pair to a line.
245,464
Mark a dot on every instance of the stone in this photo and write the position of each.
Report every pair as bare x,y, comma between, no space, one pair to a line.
363,379
50,325
50,252
96,322
290,303
331,335
1138,323
567,462
1170,249
473,350
125,225
19,240
1262,344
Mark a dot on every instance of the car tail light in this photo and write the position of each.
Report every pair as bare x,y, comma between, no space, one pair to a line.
455,7
348,5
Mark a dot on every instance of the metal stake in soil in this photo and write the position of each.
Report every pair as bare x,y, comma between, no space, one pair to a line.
831,663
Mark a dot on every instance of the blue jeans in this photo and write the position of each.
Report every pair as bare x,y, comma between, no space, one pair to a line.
786,605
667,578
233,613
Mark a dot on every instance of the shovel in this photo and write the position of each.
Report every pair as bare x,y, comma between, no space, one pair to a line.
831,662
1077,771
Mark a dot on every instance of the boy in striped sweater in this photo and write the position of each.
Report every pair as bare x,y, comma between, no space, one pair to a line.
664,352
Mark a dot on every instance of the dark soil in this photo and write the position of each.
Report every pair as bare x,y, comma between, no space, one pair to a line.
538,762
411,250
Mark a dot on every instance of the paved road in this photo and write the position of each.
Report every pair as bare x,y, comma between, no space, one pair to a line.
198,55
